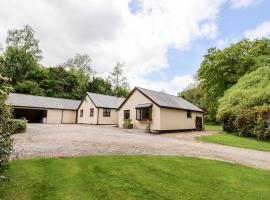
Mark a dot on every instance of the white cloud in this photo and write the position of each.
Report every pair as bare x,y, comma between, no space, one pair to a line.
172,86
223,43
243,3
109,32
262,30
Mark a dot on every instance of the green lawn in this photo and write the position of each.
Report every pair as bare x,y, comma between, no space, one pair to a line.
237,141
132,177
211,127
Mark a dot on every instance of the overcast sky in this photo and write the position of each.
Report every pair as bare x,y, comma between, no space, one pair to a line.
162,42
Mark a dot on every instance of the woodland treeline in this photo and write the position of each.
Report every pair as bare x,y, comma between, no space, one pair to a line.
20,61
233,87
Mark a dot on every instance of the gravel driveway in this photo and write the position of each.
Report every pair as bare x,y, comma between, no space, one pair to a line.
73,139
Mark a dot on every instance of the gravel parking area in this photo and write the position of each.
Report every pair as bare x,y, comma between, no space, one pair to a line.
44,140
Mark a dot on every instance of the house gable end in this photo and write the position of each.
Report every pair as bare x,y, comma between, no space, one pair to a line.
130,94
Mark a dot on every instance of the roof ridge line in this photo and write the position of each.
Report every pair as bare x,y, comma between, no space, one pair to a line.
157,91
105,95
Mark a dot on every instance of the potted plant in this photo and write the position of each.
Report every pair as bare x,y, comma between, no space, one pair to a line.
127,124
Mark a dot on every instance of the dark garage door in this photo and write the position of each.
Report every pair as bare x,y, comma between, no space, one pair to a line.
32,115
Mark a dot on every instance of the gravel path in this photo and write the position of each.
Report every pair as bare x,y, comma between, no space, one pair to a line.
73,140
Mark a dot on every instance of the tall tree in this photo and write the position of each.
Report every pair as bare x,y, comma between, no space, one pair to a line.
119,82
80,67
81,62
221,69
17,64
100,86
24,39
193,94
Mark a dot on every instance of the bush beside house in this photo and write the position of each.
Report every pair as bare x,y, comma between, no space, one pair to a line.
6,125
245,108
19,125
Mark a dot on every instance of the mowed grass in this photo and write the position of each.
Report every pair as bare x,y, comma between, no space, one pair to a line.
237,141
132,177
213,127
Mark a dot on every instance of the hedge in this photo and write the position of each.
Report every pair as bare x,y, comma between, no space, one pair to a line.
19,125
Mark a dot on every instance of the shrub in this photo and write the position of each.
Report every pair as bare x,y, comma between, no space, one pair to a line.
245,108
227,121
253,122
19,125
262,128
245,123
128,124
6,127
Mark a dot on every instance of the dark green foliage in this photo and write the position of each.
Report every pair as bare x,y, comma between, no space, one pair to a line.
29,87
60,82
262,126
221,69
245,108
254,122
100,86
227,121
20,125
6,125
193,94
244,123
71,79
121,91
17,64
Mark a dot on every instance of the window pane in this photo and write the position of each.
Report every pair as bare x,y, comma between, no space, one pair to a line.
106,112
188,114
126,114
138,114
144,113
91,112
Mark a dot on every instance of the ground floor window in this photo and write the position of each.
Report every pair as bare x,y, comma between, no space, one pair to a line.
81,113
91,112
144,113
189,114
126,114
106,112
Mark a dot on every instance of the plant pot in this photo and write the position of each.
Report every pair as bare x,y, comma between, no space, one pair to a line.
130,126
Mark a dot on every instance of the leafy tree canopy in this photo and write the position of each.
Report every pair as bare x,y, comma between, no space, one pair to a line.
118,81
221,69
71,79
81,63
101,86
17,64
250,91
24,39
193,94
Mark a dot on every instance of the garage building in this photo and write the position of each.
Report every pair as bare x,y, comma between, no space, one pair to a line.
40,109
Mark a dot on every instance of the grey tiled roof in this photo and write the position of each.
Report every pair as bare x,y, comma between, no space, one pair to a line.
25,100
167,100
105,101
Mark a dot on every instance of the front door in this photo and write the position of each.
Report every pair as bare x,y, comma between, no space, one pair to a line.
198,123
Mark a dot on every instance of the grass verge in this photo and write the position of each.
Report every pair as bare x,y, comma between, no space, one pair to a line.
237,141
132,177
213,127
